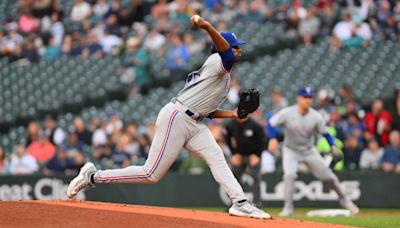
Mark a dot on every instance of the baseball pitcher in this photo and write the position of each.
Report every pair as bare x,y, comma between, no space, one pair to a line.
179,125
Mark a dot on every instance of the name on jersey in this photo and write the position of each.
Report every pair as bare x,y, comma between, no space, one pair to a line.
191,78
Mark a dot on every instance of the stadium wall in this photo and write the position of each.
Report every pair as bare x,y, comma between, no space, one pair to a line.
370,189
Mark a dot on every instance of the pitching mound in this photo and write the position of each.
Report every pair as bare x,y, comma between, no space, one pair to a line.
95,214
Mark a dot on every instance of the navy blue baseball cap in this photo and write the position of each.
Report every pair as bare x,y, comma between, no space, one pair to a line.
231,38
305,92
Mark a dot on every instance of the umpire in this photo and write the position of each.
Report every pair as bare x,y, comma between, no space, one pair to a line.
246,139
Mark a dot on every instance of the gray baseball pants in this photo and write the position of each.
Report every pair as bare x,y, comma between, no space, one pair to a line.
176,130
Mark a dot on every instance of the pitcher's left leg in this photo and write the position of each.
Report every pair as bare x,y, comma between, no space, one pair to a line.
204,144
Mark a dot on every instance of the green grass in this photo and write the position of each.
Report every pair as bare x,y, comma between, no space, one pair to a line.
371,218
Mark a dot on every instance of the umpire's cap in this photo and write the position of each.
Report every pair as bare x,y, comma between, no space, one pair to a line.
231,38
305,92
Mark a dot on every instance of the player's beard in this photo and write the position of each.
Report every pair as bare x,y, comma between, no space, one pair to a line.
237,57
238,54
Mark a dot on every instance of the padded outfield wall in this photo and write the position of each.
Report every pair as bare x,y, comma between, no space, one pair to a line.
370,189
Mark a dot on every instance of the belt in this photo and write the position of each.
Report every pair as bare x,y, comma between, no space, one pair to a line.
183,108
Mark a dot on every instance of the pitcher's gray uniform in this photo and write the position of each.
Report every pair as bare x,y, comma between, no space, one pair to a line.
178,126
204,91
206,88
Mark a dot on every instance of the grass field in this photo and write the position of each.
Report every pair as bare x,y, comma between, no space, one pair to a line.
374,218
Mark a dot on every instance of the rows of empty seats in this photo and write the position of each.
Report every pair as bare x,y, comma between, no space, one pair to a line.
47,86
373,72
25,90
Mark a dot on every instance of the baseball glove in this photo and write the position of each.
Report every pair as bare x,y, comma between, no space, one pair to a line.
248,103
336,157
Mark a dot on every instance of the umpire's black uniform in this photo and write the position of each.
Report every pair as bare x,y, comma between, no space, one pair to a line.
246,137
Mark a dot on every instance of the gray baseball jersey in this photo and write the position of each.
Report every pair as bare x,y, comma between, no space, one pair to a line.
300,130
206,89
299,146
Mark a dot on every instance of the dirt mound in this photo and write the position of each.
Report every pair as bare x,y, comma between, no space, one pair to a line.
95,214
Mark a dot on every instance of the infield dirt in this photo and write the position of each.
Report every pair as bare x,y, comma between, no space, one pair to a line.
96,214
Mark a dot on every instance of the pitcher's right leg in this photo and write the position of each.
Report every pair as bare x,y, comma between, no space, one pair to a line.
167,143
